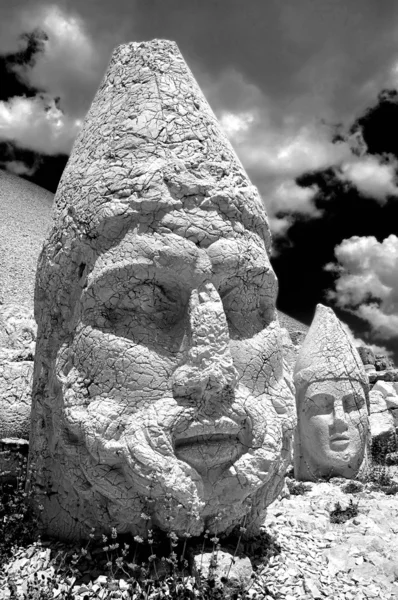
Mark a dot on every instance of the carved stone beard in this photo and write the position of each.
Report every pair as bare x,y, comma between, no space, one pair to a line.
145,456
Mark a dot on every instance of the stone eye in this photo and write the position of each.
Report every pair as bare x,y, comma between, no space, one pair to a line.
353,402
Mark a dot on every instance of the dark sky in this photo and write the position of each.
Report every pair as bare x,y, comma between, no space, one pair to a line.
298,87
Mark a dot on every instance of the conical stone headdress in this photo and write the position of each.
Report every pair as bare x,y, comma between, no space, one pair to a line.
150,143
328,352
149,155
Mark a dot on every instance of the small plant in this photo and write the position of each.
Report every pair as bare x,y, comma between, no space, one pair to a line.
155,568
18,523
341,515
297,488
352,487
383,447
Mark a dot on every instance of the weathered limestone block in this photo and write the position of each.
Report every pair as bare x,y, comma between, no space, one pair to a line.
332,435
159,381
381,420
17,347
367,355
389,392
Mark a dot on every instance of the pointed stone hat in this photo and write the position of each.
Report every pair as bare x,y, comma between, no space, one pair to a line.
150,144
328,352
150,157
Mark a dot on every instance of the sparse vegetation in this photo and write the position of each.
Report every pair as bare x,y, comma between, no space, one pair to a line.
352,487
297,488
115,566
341,515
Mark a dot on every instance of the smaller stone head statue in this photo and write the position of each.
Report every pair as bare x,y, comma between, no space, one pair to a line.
331,395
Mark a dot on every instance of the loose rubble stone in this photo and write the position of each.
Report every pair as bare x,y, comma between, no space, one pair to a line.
223,568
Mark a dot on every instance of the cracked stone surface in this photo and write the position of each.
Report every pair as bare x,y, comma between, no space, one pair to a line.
160,385
332,435
17,347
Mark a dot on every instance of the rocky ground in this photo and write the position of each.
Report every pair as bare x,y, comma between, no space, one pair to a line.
319,559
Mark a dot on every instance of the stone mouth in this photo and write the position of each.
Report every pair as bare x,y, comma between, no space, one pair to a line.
340,438
205,439
210,445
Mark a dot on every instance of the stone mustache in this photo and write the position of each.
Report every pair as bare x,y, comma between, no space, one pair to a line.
159,383
332,394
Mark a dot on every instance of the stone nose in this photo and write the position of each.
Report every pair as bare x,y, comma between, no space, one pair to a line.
209,367
340,417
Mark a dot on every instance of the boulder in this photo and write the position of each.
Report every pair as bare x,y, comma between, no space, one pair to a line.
17,347
367,355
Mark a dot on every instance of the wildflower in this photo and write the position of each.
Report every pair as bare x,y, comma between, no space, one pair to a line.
242,529
119,562
114,533
145,517
106,548
104,538
138,539
113,546
40,507
152,557
109,564
214,539
83,551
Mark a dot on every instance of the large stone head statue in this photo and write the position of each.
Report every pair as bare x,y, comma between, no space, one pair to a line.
159,384
331,394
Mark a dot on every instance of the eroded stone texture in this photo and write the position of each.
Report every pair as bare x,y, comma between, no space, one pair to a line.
159,381
332,434
17,347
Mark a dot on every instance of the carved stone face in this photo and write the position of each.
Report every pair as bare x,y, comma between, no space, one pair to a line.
159,382
173,381
333,427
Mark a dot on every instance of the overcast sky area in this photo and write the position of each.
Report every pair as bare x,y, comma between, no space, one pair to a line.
296,85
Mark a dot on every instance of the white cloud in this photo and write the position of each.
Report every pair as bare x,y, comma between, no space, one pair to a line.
19,168
275,154
233,124
288,196
358,342
71,65
37,124
372,177
367,282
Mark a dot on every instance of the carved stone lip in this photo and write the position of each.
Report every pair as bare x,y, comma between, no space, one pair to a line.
210,438
340,438
207,445
206,431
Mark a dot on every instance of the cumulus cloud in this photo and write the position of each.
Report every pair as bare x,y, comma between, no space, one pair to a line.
367,282
358,342
37,124
19,168
372,176
276,152
71,64
68,68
